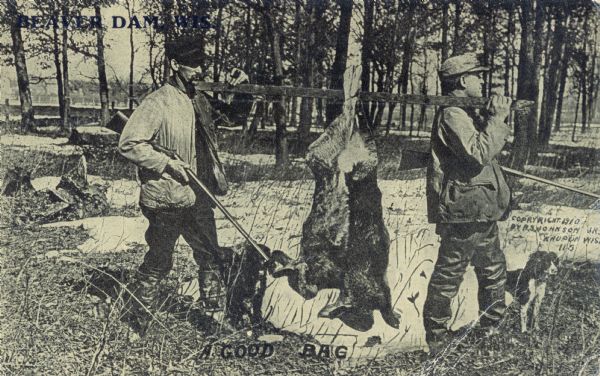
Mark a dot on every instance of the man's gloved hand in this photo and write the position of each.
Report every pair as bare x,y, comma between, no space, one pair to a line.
236,77
177,169
499,106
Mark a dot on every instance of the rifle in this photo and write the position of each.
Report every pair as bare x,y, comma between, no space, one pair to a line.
173,155
520,174
549,182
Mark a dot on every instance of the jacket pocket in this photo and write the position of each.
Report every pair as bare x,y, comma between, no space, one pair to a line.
469,202
166,193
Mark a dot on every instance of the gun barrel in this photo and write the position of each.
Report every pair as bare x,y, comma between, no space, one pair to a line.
549,182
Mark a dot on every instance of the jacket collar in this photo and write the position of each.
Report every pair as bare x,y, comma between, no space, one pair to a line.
186,87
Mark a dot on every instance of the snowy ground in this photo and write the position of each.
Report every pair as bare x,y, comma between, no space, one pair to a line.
273,212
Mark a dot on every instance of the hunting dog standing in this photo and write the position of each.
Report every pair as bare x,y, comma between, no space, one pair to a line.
177,118
466,195
528,285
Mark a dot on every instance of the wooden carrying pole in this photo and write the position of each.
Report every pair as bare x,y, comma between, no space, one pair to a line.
291,91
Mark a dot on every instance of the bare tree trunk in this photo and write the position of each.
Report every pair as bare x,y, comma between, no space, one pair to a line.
339,62
488,33
102,81
492,61
130,4
167,7
532,23
407,54
379,106
217,57
307,104
456,41
387,87
445,45
66,120
320,117
218,37
293,112
321,104
576,112
593,82
584,74
59,73
166,66
412,107
390,71
256,119
573,25
265,118
489,47
390,114
424,88
18,49
153,66
510,30
297,57
554,58
366,56
281,144
561,88
306,112
248,39
584,102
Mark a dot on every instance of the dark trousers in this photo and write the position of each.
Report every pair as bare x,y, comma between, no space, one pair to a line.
196,224
460,244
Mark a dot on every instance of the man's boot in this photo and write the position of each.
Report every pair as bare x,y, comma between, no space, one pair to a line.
211,293
144,289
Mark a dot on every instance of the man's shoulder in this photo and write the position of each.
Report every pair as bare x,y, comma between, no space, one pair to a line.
162,95
452,114
456,111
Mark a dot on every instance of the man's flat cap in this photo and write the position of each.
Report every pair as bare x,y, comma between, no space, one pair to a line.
186,49
460,64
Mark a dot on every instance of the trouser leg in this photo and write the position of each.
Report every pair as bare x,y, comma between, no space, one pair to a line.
161,235
163,231
490,268
454,255
200,232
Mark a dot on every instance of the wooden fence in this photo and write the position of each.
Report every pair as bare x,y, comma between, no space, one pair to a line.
10,109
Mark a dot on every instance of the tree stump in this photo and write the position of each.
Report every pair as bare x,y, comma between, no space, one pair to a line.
73,198
16,180
94,135
84,199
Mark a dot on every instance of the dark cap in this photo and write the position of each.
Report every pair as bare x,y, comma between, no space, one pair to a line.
186,49
460,64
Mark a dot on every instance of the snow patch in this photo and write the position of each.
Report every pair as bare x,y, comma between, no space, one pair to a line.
273,213
31,140
120,193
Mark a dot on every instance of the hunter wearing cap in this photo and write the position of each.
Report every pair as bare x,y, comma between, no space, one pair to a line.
175,118
466,195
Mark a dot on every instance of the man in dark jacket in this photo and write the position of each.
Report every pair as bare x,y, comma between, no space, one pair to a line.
176,118
466,195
